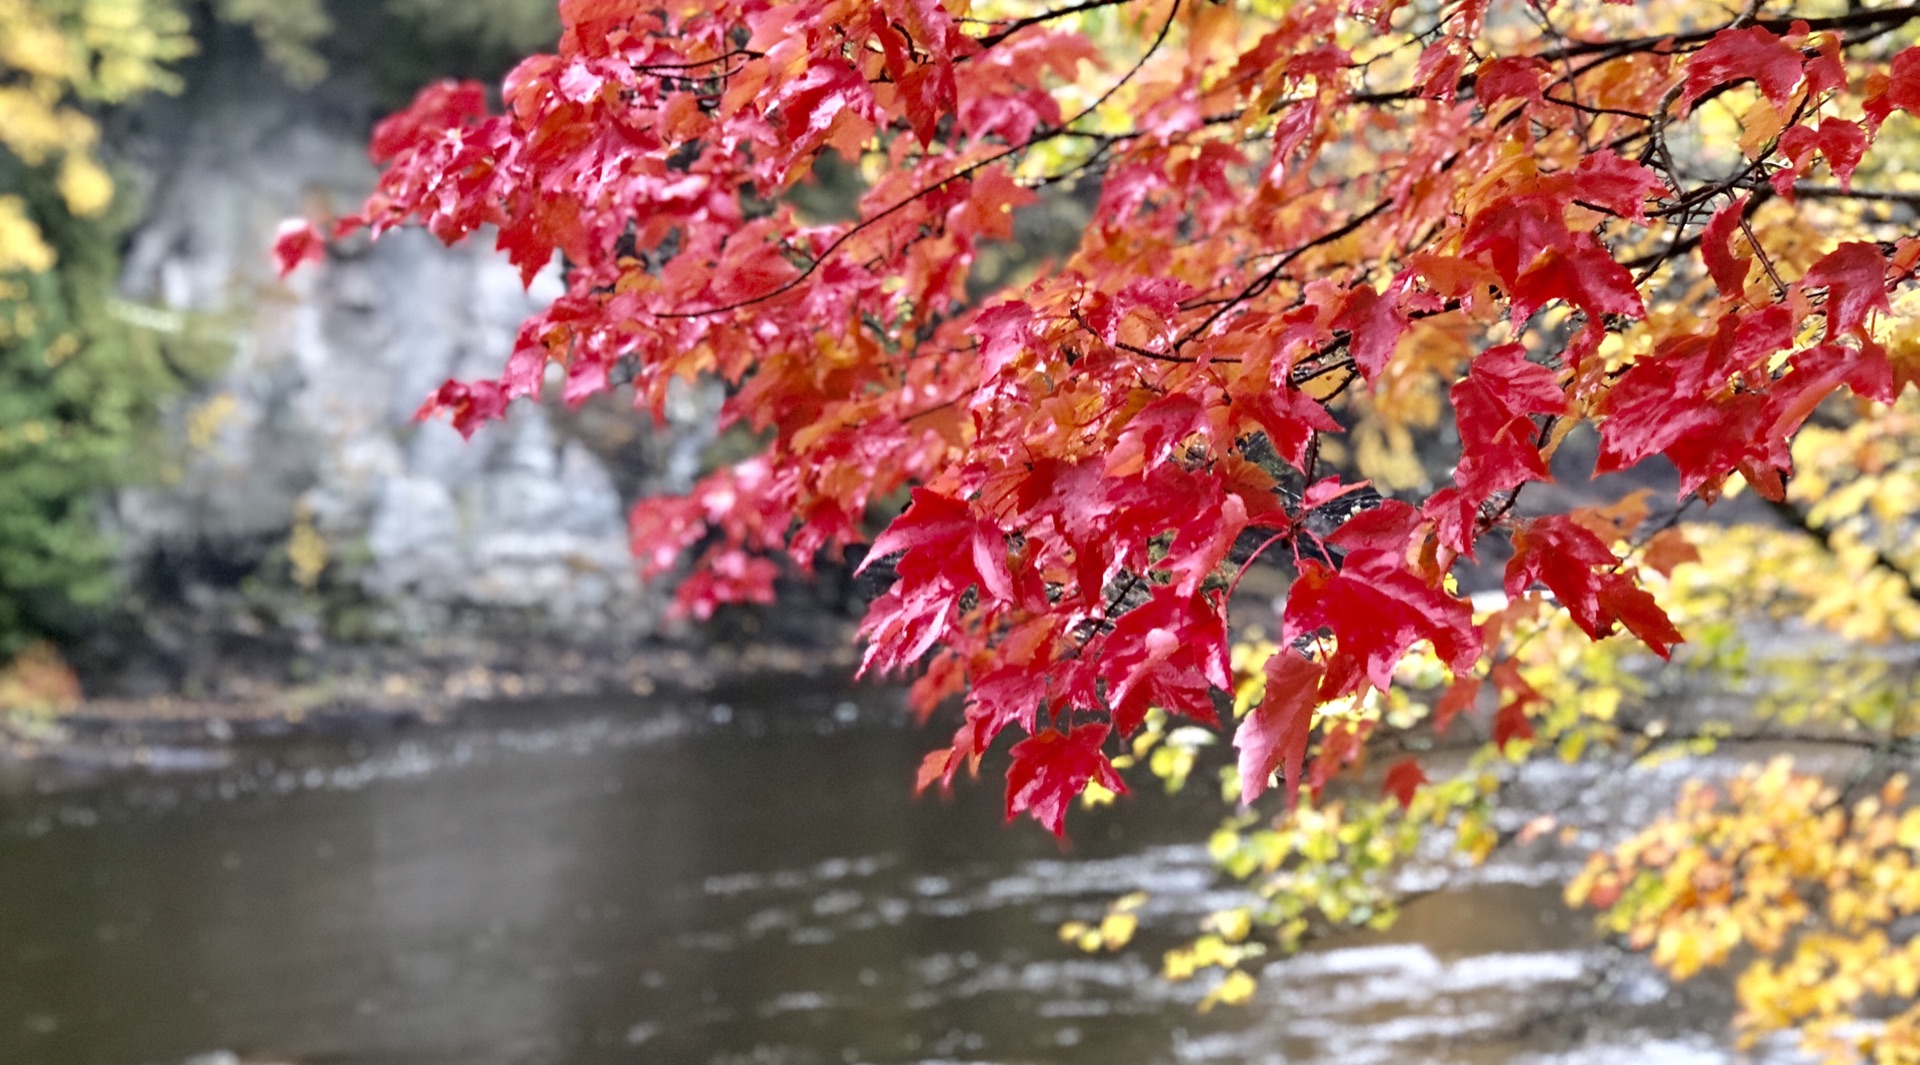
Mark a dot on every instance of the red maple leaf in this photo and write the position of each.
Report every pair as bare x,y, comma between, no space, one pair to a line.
944,542
1734,55
1004,330
1581,273
987,212
440,107
1009,695
1521,386
1152,436
1512,232
945,550
1460,696
469,403
1374,324
1288,416
1729,271
1050,769
1403,779
1376,610
1634,607
1515,77
722,576
1499,448
1676,402
1273,736
1855,277
1902,91
1438,71
1510,722
1169,652
1583,573
298,241
1843,144
1614,184
660,529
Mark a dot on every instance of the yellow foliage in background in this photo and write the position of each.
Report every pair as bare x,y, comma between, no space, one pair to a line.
306,550
38,683
61,60
57,59
1790,868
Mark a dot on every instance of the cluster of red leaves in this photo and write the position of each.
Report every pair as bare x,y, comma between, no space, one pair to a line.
1086,451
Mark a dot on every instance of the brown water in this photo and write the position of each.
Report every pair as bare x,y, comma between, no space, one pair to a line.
740,883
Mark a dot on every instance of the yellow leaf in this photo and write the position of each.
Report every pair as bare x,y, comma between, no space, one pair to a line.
1235,990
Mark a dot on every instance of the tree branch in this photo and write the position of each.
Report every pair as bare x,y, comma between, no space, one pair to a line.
1016,25
1834,192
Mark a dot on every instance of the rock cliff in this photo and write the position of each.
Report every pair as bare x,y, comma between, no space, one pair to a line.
305,496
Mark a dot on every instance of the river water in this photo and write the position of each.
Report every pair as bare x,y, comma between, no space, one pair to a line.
737,880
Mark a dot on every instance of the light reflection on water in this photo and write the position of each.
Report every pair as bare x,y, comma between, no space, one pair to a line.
624,883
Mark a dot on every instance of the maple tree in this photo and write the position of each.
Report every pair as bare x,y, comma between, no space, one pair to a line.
1673,233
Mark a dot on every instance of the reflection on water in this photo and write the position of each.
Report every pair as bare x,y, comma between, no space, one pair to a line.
648,883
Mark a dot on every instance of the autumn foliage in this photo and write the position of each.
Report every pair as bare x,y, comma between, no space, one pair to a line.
1636,232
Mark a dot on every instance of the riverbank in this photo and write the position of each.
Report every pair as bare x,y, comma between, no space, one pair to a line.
375,691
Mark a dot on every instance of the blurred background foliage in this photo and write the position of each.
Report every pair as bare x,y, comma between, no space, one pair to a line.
84,374
516,27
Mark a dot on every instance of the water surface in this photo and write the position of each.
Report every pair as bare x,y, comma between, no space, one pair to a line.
740,881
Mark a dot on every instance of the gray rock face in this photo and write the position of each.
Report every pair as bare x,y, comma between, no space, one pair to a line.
313,419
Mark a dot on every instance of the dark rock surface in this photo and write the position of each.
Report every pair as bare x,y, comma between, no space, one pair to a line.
306,509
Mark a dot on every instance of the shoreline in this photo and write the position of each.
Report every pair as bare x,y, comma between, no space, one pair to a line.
374,695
